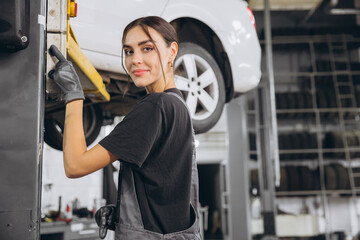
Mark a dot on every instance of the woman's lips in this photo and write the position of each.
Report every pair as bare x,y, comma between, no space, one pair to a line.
139,72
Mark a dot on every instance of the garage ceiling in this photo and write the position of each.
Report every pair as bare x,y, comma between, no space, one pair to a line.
338,7
294,15
285,4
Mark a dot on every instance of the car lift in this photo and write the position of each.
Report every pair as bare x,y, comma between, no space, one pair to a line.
22,113
23,44
267,152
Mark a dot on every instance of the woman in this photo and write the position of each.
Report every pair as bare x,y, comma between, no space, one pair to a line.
154,141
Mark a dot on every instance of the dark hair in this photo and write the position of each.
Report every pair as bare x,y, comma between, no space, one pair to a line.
164,28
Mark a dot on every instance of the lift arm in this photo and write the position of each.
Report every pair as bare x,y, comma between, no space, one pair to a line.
93,85
60,33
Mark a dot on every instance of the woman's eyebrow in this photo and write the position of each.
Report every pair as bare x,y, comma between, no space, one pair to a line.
139,44
144,42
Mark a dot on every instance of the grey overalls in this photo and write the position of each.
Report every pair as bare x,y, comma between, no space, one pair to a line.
130,226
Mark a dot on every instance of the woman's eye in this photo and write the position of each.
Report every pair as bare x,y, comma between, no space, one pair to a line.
147,49
128,52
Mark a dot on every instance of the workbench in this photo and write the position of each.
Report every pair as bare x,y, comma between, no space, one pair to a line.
82,228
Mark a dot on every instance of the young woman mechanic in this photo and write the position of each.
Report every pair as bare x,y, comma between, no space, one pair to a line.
154,141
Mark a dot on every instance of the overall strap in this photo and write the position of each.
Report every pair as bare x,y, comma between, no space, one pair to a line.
119,194
182,100
176,95
194,181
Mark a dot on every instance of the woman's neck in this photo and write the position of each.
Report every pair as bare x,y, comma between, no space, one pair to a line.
162,85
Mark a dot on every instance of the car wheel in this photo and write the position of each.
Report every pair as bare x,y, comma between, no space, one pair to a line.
199,78
54,126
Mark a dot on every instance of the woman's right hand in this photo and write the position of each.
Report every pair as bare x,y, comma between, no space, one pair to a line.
65,76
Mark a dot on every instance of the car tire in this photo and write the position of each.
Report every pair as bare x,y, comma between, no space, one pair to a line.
54,126
199,78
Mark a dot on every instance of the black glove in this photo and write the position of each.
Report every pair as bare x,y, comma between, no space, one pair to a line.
64,75
105,218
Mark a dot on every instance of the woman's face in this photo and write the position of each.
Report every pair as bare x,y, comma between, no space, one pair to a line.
142,60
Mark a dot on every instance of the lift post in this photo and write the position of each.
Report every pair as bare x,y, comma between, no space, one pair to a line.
238,172
267,137
21,122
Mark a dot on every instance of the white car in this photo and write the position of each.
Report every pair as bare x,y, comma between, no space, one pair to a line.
218,59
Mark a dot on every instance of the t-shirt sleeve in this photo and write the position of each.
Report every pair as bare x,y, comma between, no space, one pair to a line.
133,138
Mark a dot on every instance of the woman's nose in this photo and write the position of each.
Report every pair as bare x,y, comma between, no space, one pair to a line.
137,58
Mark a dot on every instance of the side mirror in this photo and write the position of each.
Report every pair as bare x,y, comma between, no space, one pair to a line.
14,25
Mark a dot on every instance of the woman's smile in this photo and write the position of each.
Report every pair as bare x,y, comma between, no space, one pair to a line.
139,72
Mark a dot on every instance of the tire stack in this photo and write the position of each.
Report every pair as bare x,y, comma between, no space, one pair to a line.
293,101
335,140
326,99
289,141
298,178
297,141
326,96
302,178
336,177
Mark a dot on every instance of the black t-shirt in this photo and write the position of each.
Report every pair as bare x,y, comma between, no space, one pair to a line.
155,138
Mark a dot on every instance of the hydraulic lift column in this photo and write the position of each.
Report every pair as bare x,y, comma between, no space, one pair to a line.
267,152
238,171
22,50
267,137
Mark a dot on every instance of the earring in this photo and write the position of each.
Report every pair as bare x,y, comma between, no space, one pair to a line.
171,64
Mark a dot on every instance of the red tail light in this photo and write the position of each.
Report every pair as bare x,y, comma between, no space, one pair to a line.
252,18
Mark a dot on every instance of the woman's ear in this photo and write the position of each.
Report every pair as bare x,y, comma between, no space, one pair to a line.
174,50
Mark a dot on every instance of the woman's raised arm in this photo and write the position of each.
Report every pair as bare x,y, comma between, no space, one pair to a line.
78,161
